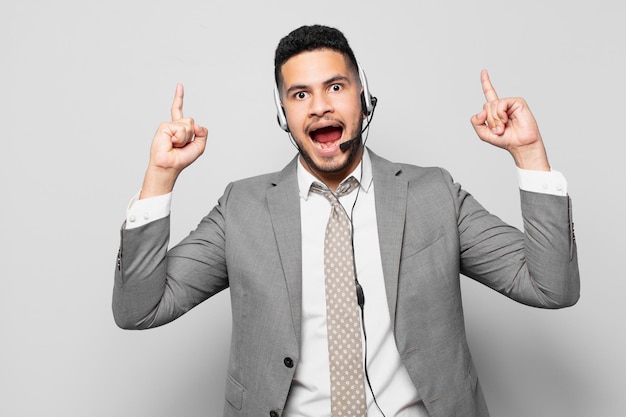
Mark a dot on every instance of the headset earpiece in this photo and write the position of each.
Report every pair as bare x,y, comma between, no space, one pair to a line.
367,101
280,111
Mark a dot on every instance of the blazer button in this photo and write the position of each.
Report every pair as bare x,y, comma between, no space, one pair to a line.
273,413
288,362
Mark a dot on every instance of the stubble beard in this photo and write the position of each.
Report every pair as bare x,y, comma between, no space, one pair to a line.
354,152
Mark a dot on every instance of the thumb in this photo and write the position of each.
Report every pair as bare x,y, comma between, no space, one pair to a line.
200,136
200,132
479,124
478,121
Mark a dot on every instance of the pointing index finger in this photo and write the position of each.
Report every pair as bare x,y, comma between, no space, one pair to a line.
488,90
177,104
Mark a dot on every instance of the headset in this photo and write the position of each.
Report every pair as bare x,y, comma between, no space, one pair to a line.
368,102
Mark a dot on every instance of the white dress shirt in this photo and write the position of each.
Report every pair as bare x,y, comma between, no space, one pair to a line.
310,393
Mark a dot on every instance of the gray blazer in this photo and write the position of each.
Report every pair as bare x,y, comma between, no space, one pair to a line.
430,232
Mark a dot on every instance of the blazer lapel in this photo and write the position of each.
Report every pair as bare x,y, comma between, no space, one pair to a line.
391,198
283,201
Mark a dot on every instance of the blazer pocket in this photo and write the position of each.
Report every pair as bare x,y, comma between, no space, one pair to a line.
418,243
234,392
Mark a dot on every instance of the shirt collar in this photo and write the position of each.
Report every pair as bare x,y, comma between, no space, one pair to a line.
305,178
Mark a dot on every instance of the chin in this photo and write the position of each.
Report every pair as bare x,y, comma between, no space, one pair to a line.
334,164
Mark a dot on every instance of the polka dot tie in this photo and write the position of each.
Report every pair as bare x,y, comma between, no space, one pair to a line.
347,389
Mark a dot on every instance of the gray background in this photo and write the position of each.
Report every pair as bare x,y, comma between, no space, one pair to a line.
84,85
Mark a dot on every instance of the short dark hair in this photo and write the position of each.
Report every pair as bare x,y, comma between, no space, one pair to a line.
311,38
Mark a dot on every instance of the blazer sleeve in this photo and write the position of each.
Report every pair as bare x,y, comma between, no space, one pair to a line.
154,285
537,267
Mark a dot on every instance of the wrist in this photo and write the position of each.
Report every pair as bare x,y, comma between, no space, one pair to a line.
531,157
158,181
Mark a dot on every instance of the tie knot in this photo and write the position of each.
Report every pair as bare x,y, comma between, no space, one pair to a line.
344,188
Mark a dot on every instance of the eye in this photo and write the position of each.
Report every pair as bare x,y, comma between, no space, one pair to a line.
300,95
336,87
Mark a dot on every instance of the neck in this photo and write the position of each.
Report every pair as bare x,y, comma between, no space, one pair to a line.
332,179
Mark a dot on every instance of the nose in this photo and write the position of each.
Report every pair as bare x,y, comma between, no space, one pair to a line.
320,105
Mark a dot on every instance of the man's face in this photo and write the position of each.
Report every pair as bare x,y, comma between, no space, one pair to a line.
321,98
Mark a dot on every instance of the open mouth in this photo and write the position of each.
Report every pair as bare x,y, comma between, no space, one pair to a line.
327,136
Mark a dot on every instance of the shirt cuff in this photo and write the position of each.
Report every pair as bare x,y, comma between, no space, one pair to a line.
141,212
545,182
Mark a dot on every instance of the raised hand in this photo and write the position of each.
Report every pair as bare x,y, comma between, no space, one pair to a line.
176,145
509,124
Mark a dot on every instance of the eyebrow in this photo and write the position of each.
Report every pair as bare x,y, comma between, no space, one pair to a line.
331,80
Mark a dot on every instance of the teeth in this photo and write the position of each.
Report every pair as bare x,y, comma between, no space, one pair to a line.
325,145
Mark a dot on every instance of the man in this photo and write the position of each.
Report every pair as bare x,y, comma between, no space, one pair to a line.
411,231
